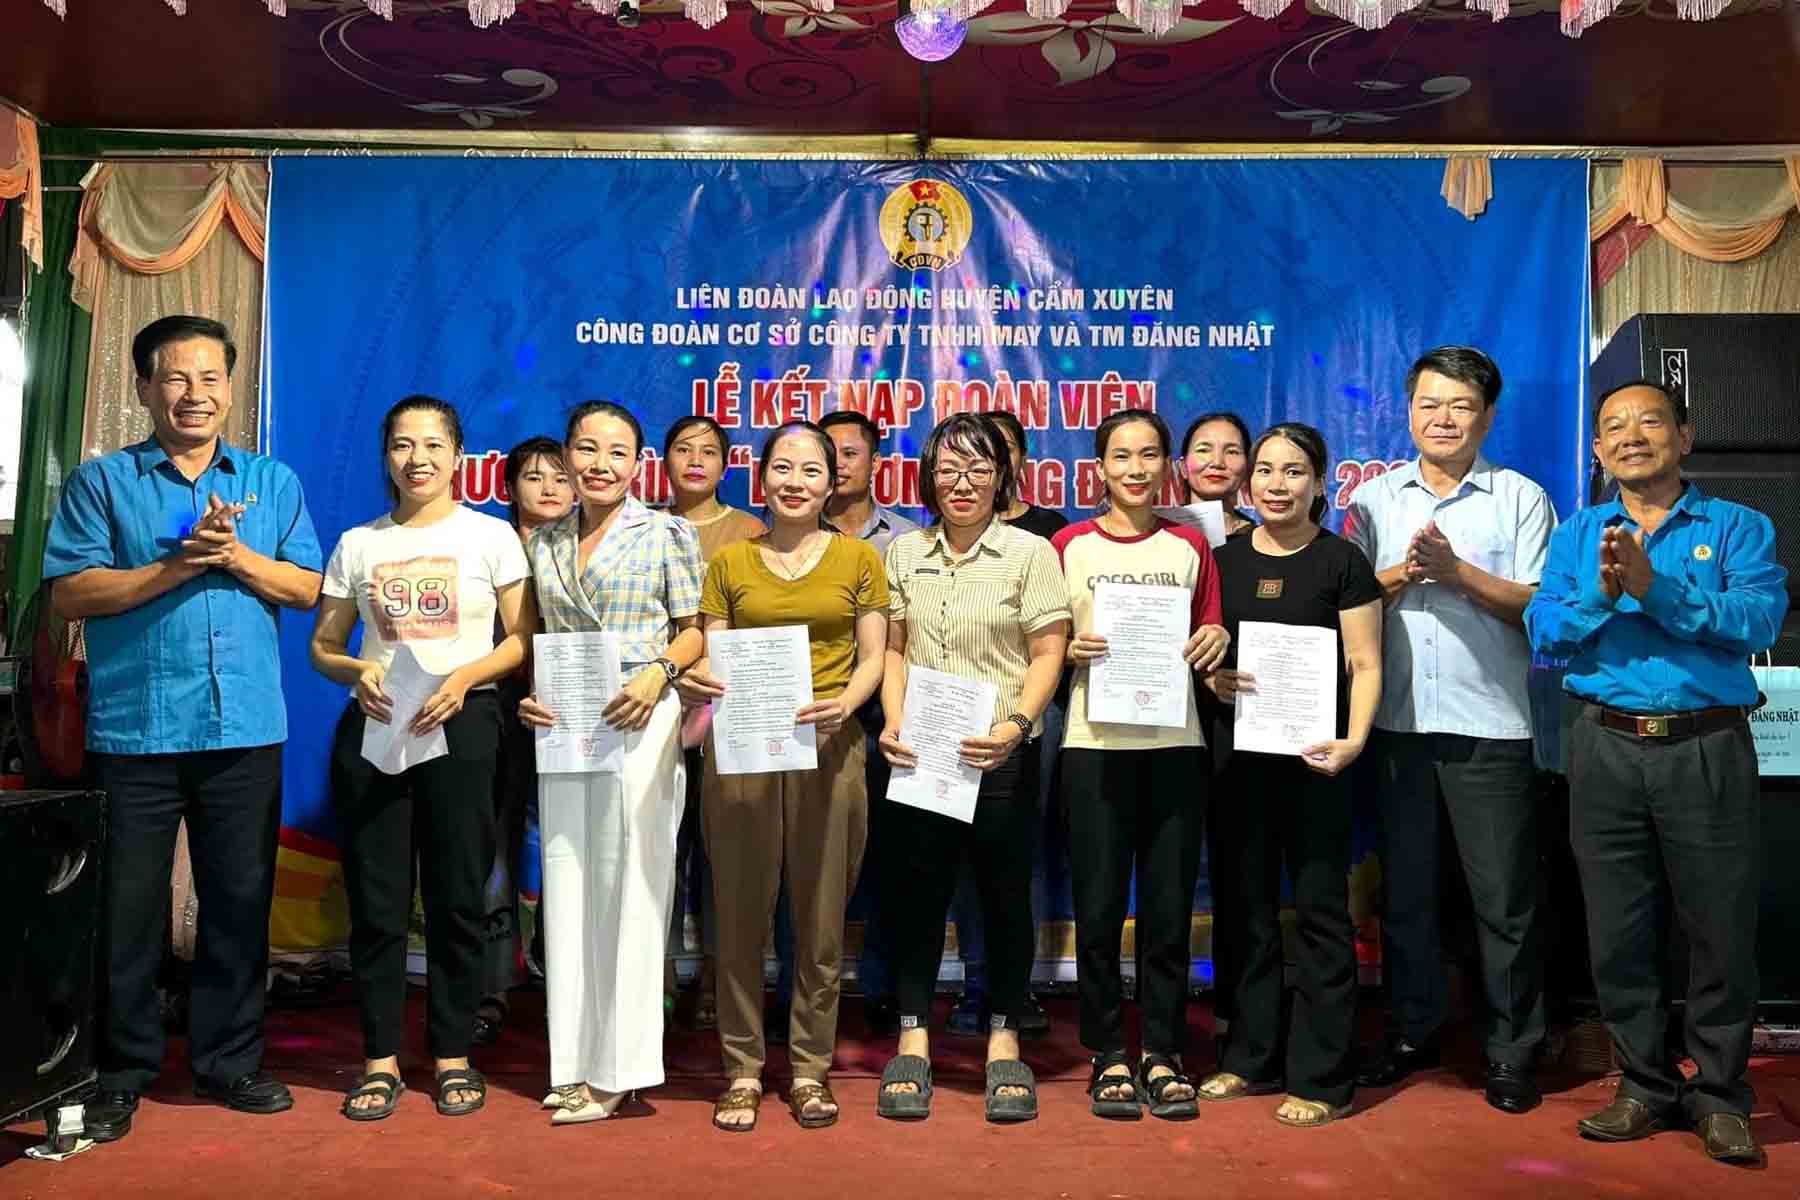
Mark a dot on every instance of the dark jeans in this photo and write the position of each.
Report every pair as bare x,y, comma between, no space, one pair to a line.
926,855
1489,792
1288,814
1141,807
443,812
693,870
231,800
1666,831
515,804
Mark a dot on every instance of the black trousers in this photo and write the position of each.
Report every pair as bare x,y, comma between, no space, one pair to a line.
925,856
1669,831
515,800
1488,790
442,811
1287,814
1227,920
231,800
1126,807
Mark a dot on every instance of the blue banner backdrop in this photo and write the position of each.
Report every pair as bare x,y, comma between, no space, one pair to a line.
759,290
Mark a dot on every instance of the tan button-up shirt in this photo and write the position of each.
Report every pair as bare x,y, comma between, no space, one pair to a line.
974,616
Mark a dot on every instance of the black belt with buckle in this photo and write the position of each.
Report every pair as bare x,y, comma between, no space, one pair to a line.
1670,725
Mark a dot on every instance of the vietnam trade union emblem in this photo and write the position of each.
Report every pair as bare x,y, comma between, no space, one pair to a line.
926,225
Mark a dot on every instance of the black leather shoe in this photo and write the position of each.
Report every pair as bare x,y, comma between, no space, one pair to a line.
257,1092
1624,1120
1512,1089
1396,1062
882,1015
107,1117
1728,1139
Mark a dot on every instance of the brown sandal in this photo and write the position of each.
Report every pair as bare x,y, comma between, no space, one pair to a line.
737,1100
811,1091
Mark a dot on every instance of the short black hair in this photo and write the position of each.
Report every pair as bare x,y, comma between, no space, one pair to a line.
518,458
688,422
977,436
1013,428
1465,364
1310,443
1677,401
161,332
604,408
849,416
1126,416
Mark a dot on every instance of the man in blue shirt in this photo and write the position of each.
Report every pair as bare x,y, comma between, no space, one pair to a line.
1657,599
1458,545
178,553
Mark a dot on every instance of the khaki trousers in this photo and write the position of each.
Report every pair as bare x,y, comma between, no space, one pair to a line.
812,824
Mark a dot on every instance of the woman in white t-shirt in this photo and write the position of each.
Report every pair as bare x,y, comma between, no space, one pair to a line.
426,581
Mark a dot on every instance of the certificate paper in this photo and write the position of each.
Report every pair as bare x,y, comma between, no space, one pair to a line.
767,675
390,747
577,675
941,710
1295,702
1143,680
1208,516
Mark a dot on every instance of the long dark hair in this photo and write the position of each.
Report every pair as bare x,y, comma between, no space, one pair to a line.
1194,426
1312,444
691,421
1125,416
418,402
520,457
827,447
608,409
976,436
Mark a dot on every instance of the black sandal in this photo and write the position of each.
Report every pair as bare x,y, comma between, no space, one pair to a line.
1155,1089
1114,1108
490,1019
460,1079
905,1106
1011,1073
376,1083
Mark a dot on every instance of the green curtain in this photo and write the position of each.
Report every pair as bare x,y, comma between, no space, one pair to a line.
56,335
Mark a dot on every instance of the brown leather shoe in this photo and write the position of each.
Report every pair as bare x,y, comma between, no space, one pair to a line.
1728,1139
1624,1120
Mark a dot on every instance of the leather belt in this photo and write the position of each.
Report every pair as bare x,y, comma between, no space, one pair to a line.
1670,725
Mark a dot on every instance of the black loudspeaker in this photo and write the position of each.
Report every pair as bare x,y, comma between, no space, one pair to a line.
52,849
1740,374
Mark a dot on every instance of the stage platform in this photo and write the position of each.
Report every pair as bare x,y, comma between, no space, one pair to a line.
1431,1137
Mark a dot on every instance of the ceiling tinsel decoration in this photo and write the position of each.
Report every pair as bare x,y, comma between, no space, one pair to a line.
1155,17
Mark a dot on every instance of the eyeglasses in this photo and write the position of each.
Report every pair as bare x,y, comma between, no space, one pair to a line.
948,477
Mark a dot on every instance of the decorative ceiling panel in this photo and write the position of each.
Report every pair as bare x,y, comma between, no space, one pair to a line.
1441,74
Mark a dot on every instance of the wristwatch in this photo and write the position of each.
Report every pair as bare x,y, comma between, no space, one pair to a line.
1023,722
669,668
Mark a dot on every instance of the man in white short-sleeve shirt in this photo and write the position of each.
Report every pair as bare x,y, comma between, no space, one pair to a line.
1458,544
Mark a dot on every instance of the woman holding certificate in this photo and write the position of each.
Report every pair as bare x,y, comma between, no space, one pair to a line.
1145,595
413,760
796,623
612,566
1293,594
978,624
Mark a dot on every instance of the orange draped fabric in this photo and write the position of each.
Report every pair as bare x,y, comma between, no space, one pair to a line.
22,179
1643,196
154,218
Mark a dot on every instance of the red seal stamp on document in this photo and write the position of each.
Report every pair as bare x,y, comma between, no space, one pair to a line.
775,745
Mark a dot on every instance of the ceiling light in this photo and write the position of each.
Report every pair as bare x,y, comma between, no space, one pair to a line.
928,30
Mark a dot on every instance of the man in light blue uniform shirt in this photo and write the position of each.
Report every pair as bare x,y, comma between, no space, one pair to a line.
1458,544
178,553
1658,599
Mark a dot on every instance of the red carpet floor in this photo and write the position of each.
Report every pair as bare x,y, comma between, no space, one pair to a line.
1432,1137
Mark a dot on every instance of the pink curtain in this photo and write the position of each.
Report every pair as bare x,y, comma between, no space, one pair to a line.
21,177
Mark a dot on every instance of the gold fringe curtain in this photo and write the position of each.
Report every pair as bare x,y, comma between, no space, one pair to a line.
1642,194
